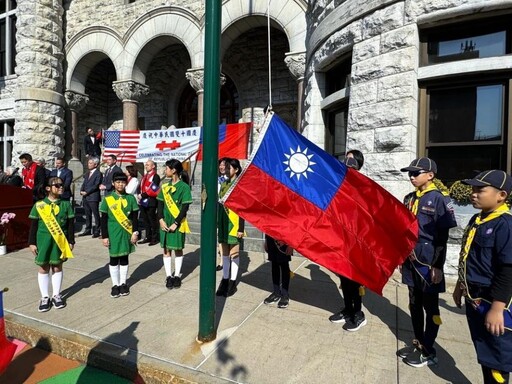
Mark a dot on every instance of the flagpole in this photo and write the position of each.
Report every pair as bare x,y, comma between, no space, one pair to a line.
207,330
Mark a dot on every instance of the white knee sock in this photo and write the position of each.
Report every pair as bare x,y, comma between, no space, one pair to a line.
114,274
123,274
178,262
225,267
56,283
234,268
167,266
44,280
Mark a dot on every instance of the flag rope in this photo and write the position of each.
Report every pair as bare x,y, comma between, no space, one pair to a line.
269,59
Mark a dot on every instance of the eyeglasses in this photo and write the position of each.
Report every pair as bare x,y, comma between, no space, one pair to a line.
58,185
416,173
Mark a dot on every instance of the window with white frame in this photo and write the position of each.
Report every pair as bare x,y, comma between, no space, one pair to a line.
6,139
7,36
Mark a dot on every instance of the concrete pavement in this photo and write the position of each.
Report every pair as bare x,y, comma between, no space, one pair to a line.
151,333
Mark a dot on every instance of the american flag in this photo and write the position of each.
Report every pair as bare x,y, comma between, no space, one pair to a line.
123,144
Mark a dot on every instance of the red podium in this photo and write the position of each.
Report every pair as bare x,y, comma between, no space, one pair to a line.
19,201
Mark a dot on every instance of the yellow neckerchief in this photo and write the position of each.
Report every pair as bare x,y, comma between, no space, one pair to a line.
116,207
47,213
173,208
467,240
419,194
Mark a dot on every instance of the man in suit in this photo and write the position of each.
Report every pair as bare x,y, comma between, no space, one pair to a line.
149,187
65,174
41,163
112,168
90,192
92,144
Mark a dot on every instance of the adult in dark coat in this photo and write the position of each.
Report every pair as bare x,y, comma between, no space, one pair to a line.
112,168
12,177
65,174
92,144
90,192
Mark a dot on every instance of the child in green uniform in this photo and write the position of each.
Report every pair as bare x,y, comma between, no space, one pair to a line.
174,199
51,240
230,232
120,231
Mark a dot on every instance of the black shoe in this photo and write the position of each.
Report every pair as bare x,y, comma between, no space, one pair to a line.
44,304
340,317
355,323
96,235
124,290
145,241
283,303
169,282
419,358
84,234
58,302
151,243
273,298
218,268
223,288
407,350
177,282
115,292
231,288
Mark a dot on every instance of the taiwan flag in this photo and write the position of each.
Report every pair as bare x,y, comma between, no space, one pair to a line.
7,348
233,141
297,193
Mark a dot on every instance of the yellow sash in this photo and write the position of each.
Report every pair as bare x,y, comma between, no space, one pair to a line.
46,213
467,240
116,208
419,195
235,220
173,208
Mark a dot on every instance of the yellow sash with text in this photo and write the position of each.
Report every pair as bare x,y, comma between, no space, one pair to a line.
235,220
46,213
173,208
116,208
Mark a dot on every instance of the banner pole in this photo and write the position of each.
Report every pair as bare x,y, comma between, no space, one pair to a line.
207,331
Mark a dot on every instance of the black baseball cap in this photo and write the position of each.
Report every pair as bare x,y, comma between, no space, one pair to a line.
494,178
421,164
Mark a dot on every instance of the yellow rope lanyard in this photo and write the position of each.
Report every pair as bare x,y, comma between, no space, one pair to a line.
116,207
467,240
47,213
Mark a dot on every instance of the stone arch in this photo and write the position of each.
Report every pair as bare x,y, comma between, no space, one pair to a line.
150,35
87,50
292,22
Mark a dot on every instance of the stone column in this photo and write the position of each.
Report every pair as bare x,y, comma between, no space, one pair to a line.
195,76
39,103
76,102
296,63
130,92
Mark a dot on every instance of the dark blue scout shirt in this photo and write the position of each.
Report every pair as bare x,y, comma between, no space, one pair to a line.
435,216
490,249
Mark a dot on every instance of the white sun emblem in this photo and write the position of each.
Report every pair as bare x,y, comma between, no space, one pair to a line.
298,163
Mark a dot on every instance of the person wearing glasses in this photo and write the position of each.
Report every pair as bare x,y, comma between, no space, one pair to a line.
51,240
423,270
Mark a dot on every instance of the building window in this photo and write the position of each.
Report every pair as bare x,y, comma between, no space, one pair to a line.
335,107
465,117
463,41
7,36
6,138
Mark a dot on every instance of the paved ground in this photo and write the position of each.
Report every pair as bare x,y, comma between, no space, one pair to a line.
150,335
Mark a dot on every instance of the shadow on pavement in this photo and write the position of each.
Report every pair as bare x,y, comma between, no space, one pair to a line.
118,352
97,276
238,372
146,269
392,316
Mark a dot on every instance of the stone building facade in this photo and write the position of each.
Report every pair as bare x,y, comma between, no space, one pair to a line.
394,78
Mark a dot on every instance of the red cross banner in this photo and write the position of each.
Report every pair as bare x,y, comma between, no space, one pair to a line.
163,145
